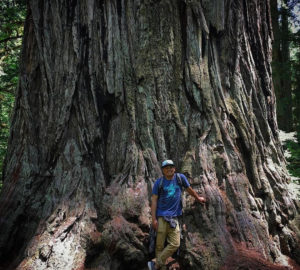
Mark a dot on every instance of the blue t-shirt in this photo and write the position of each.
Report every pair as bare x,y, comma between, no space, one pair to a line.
169,201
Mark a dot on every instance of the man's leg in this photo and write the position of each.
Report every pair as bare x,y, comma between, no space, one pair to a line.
173,239
160,240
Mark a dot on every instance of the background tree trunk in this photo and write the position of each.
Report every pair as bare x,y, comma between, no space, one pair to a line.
108,89
281,65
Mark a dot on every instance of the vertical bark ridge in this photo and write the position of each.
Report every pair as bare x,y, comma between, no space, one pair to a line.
108,89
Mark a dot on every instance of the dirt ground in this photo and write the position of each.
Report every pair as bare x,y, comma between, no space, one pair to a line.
244,259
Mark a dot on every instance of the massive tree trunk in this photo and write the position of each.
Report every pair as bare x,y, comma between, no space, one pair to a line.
108,89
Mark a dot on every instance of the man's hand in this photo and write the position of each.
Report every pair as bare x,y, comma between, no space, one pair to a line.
201,199
198,198
155,224
153,211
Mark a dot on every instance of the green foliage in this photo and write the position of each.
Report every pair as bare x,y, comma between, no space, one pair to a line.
12,16
294,159
290,68
6,101
294,147
295,63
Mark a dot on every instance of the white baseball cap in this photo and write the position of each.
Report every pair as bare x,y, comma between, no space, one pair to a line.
167,162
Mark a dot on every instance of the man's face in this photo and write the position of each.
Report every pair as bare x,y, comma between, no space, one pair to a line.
168,171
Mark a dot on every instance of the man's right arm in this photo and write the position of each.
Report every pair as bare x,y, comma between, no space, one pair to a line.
153,211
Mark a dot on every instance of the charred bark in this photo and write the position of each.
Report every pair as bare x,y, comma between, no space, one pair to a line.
107,90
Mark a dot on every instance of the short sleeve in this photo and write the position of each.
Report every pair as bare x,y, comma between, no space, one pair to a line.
185,182
155,187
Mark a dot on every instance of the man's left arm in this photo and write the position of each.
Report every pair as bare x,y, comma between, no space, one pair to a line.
193,193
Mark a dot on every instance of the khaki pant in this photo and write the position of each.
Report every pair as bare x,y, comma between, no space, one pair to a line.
173,239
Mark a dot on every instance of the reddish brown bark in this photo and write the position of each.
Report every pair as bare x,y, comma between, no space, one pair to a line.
107,90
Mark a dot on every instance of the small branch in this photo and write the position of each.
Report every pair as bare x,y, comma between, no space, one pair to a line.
10,38
7,87
15,22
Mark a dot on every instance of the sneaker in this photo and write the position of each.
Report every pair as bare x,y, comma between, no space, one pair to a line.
151,265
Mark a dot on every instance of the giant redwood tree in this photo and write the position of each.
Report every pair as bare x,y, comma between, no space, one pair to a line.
107,90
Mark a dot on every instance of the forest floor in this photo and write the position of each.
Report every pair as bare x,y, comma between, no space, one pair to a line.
243,259
247,259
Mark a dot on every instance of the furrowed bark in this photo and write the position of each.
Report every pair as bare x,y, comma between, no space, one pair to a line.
108,89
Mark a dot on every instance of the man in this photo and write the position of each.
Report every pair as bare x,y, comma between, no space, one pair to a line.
166,206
